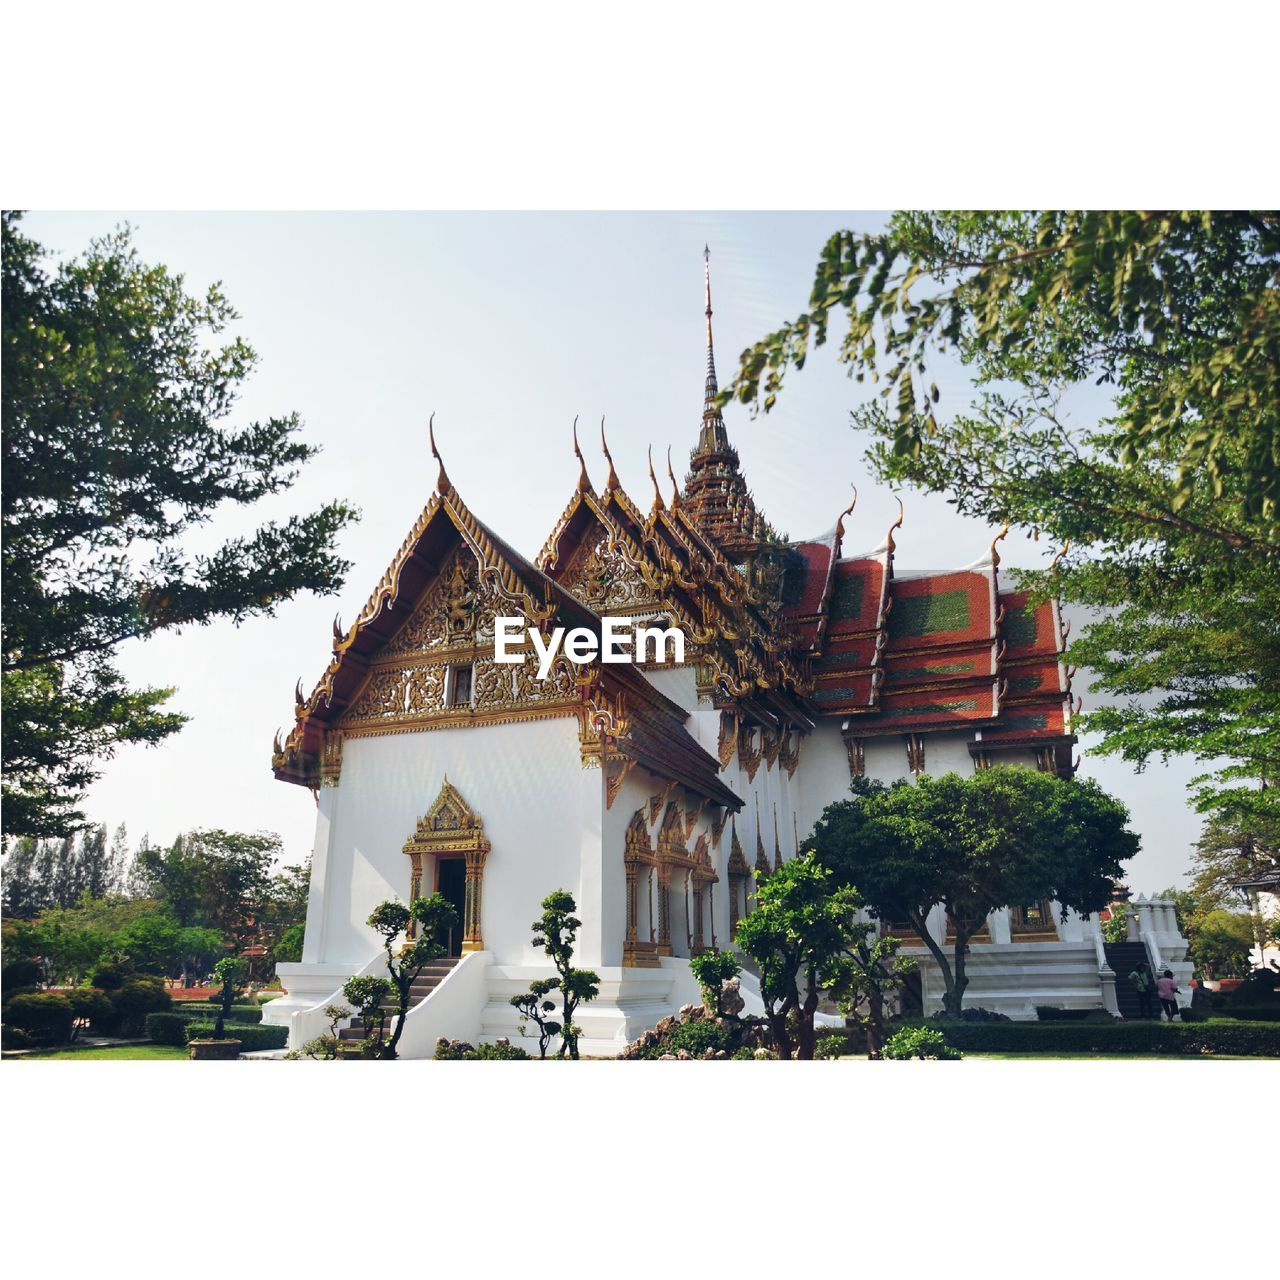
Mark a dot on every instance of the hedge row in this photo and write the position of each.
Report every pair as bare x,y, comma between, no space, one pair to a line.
1169,1038
251,1038
177,1028
240,1013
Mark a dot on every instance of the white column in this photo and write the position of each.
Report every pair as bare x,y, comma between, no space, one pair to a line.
313,944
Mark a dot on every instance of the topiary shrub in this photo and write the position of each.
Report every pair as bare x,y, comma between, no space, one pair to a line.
919,1042
111,975
21,975
45,1017
452,1050
1055,1013
130,1003
88,1004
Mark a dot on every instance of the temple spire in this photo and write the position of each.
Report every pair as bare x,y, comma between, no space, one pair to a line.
715,493
712,389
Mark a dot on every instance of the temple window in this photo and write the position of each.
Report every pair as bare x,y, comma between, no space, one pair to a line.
459,691
1033,923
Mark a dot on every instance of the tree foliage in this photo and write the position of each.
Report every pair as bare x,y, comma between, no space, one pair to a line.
115,384
374,997
799,934
1002,837
1170,502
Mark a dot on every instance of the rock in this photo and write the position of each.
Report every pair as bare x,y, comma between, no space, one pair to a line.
684,1056
686,1011
762,1054
667,1057
732,1000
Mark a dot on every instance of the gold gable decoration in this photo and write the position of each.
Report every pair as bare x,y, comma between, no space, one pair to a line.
450,828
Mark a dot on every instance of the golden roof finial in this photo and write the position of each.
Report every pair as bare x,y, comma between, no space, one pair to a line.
612,482
897,524
584,480
848,511
675,484
995,555
442,480
657,493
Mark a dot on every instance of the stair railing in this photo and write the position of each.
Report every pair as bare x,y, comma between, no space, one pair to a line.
1106,974
1147,931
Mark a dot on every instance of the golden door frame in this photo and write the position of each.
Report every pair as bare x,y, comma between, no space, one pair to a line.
451,828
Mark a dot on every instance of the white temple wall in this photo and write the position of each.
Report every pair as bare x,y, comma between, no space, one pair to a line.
822,777
526,783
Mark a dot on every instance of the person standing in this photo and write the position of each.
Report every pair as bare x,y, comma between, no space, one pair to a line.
1144,984
1167,991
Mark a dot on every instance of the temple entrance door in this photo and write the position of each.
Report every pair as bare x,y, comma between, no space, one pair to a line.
451,881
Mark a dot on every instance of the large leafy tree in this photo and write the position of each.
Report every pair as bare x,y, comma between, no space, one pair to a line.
1001,837
116,382
217,879
1169,501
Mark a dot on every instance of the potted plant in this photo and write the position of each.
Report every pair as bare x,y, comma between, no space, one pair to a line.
230,973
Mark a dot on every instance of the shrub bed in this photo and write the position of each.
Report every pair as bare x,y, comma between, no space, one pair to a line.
45,1018
242,1014
251,1038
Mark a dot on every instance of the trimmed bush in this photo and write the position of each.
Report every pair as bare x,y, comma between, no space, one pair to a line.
138,996
45,1017
972,1013
504,1051
919,1042
196,1011
167,1028
21,975
15,1038
251,1038
89,1002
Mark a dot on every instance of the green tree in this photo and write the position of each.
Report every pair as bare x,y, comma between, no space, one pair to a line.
1221,945
220,879
799,934
1169,502
1002,837
115,384
1230,852
556,932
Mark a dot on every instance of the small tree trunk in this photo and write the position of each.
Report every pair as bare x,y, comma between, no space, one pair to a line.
956,994
948,981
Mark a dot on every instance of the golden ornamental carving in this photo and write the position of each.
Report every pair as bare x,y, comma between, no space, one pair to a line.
771,745
857,749
656,802
640,862
728,737
749,752
331,760
789,756
915,752
451,829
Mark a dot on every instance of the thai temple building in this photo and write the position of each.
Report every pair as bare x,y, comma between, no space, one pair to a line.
655,792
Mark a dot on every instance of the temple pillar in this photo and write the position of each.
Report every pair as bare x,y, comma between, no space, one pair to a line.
472,937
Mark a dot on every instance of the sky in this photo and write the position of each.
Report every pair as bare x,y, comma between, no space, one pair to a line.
506,326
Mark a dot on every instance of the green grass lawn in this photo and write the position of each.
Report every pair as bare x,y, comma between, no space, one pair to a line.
117,1053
